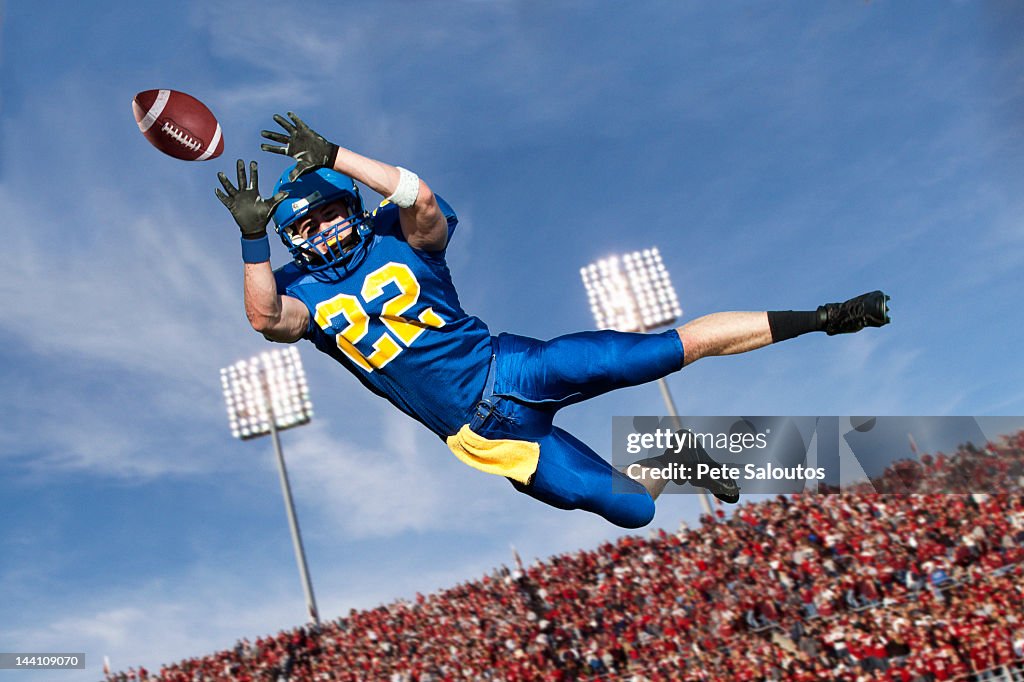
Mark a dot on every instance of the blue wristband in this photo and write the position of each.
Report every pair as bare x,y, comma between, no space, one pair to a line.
256,250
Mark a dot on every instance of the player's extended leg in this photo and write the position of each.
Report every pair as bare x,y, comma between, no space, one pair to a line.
730,333
572,476
724,334
534,378
738,332
575,367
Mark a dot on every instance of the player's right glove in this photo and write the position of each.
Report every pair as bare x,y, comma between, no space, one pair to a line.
251,211
309,149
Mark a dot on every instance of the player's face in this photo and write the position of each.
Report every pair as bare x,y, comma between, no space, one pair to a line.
321,218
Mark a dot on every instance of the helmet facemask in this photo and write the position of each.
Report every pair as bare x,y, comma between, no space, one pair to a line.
331,246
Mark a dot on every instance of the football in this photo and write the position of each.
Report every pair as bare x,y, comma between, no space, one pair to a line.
178,124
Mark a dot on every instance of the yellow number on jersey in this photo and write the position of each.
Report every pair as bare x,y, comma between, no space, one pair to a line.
391,313
385,348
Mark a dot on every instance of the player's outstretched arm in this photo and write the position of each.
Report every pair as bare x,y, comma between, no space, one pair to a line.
278,318
423,223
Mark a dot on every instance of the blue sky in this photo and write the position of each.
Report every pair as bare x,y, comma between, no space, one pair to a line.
780,155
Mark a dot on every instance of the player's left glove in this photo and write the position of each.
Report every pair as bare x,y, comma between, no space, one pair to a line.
251,211
309,149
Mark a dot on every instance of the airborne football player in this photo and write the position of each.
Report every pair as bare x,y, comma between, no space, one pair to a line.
373,291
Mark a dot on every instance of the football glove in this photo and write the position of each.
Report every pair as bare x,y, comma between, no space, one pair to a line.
248,208
309,149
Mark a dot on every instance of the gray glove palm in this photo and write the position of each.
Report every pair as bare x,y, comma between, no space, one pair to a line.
309,149
248,208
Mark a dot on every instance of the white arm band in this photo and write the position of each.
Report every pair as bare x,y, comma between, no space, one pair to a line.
408,189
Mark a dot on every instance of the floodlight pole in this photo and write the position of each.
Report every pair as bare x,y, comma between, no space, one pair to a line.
669,403
257,392
666,394
289,505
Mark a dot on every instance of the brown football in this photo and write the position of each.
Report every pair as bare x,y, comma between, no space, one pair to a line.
178,124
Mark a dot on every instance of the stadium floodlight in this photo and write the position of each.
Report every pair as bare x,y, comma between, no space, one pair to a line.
633,293
265,395
270,384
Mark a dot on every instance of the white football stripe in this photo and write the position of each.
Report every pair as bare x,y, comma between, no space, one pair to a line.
154,111
213,145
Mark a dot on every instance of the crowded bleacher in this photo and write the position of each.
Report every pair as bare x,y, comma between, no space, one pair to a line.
912,587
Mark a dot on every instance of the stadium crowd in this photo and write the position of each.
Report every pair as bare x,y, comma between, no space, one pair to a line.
858,587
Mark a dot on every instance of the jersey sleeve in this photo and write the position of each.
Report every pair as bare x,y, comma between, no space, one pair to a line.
285,276
386,222
449,215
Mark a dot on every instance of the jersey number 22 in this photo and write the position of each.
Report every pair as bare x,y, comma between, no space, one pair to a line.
404,329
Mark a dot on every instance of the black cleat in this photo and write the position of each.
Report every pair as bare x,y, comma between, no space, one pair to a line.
725,489
866,310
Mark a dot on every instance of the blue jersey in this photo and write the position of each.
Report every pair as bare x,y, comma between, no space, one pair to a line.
396,323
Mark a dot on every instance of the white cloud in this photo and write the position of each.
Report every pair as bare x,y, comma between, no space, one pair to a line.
145,318
161,622
406,480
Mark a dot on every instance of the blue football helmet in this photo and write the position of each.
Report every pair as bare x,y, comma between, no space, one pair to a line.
325,249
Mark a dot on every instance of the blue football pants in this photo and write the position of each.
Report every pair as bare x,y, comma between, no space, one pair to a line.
530,380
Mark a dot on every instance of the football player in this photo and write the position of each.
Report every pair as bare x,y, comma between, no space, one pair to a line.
373,291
